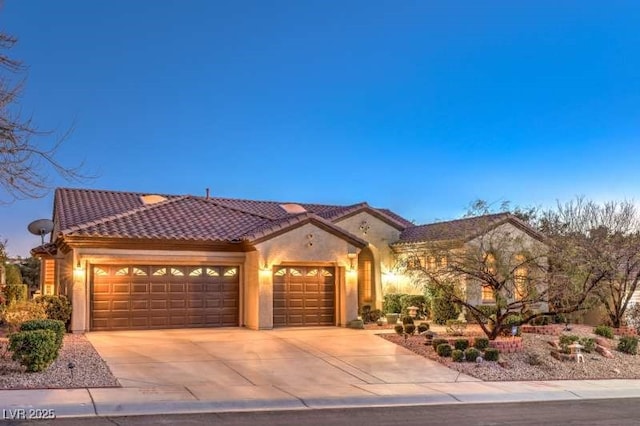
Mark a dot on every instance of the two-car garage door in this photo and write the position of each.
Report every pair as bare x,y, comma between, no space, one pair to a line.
126,297
129,297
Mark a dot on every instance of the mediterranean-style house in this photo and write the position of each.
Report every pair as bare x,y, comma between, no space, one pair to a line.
436,246
138,261
135,261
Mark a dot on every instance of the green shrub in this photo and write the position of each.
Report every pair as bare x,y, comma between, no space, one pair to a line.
471,354
443,309
457,355
56,326
513,320
18,312
481,343
422,327
455,327
542,320
417,300
16,292
410,329
461,344
35,349
628,345
407,320
56,307
399,328
565,340
391,303
438,342
589,344
444,350
604,331
375,315
491,354
487,311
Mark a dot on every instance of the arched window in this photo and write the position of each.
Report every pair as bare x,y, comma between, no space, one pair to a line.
520,275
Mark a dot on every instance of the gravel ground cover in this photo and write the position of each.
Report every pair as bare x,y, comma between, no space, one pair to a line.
89,369
535,361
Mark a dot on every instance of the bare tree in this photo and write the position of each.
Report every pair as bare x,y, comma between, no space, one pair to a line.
25,162
597,248
498,270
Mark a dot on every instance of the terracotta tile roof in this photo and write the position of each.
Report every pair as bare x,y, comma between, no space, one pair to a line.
460,229
75,206
271,228
183,218
397,217
85,212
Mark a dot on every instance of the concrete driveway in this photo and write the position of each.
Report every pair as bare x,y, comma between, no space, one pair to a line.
283,363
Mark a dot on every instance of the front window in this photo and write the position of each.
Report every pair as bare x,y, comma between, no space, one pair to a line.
520,275
487,294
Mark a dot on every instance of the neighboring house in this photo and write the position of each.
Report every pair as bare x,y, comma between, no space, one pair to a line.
435,245
137,261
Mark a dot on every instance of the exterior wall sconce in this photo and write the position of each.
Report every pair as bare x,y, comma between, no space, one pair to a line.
78,271
352,257
265,269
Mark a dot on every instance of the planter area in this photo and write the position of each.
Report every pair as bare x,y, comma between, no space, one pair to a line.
529,357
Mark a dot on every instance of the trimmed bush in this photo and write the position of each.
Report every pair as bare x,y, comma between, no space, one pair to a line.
491,354
457,355
407,320
487,311
443,309
542,320
565,340
513,320
16,292
471,354
444,350
18,312
588,343
604,331
35,349
461,344
456,327
47,324
399,328
481,343
375,315
410,329
391,303
438,342
422,327
628,345
56,307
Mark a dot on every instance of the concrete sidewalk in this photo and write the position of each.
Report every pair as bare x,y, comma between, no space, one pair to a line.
198,399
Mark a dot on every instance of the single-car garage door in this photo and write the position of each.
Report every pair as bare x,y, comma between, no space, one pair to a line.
303,295
126,297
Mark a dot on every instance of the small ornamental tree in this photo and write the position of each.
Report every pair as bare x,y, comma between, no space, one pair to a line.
501,267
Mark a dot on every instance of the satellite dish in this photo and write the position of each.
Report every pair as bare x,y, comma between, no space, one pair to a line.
41,227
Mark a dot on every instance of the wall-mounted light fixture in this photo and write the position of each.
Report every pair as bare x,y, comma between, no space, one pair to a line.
78,270
264,269
352,258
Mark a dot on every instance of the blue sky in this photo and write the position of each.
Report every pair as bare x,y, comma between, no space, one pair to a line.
418,106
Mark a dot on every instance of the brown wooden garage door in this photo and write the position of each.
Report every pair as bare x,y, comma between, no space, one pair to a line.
126,297
303,295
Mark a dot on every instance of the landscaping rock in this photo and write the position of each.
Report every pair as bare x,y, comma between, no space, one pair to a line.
604,351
